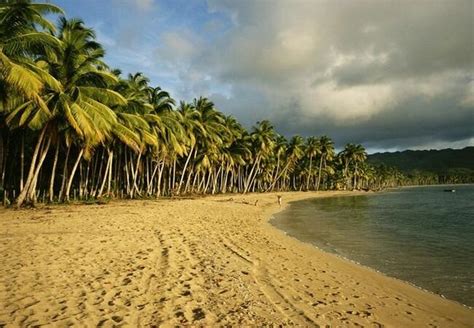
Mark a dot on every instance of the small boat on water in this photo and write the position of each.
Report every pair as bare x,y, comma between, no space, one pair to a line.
449,190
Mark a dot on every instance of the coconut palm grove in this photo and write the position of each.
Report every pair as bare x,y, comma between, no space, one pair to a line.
73,128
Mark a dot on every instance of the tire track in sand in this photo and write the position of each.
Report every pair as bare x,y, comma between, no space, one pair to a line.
180,289
267,285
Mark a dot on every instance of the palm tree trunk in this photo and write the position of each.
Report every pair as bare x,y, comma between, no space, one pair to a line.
160,176
3,158
354,187
71,177
247,182
53,174
309,171
188,181
109,182
173,186
86,184
106,174
22,161
184,170
127,174
195,181
32,188
63,182
22,196
208,181
216,178
150,186
276,173
320,171
135,175
281,173
98,174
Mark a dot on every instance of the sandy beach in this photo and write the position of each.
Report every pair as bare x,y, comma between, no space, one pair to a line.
207,262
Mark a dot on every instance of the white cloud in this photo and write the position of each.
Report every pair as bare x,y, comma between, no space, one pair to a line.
351,105
144,4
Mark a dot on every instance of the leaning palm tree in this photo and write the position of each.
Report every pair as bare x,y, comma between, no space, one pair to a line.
192,124
25,34
263,136
294,152
82,102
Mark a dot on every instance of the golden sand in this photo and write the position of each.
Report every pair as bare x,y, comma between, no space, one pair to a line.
206,262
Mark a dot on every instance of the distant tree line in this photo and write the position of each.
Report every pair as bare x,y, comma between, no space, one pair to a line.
421,167
71,127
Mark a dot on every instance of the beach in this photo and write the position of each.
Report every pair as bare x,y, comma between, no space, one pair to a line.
204,262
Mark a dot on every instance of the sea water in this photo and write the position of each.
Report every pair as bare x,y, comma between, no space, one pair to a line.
423,235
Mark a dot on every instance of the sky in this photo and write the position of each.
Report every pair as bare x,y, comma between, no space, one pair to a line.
391,75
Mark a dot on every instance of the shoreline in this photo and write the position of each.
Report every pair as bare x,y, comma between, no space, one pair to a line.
339,256
212,261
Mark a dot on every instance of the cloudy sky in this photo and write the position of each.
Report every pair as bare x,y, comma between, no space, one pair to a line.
388,74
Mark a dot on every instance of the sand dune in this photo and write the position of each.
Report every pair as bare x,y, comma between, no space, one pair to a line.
206,262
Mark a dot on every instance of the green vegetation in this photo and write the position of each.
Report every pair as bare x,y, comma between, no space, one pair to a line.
71,127
430,166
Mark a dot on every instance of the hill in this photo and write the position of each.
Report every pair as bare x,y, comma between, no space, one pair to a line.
430,166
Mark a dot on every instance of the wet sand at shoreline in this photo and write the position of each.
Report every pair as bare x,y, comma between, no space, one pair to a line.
213,261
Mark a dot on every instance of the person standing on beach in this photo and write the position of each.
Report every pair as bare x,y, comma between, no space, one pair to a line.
279,200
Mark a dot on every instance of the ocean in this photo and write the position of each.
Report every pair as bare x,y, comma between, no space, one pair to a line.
422,235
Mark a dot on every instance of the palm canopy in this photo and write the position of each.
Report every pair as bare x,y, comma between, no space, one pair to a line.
21,41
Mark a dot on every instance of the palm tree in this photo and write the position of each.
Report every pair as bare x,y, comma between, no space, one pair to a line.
191,123
24,34
160,100
352,155
20,43
326,148
281,146
82,102
312,149
295,151
263,138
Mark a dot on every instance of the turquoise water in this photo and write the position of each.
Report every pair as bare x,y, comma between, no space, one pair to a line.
422,235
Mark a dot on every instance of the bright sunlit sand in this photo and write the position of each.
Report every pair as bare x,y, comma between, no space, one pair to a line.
199,262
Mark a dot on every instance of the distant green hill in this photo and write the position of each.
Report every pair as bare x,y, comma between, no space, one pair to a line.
440,162
450,165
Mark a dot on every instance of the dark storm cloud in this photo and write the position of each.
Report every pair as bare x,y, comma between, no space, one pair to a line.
388,74
396,73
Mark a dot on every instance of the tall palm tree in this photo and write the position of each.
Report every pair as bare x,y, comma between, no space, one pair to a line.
326,148
191,123
263,137
24,35
312,149
352,155
281,146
